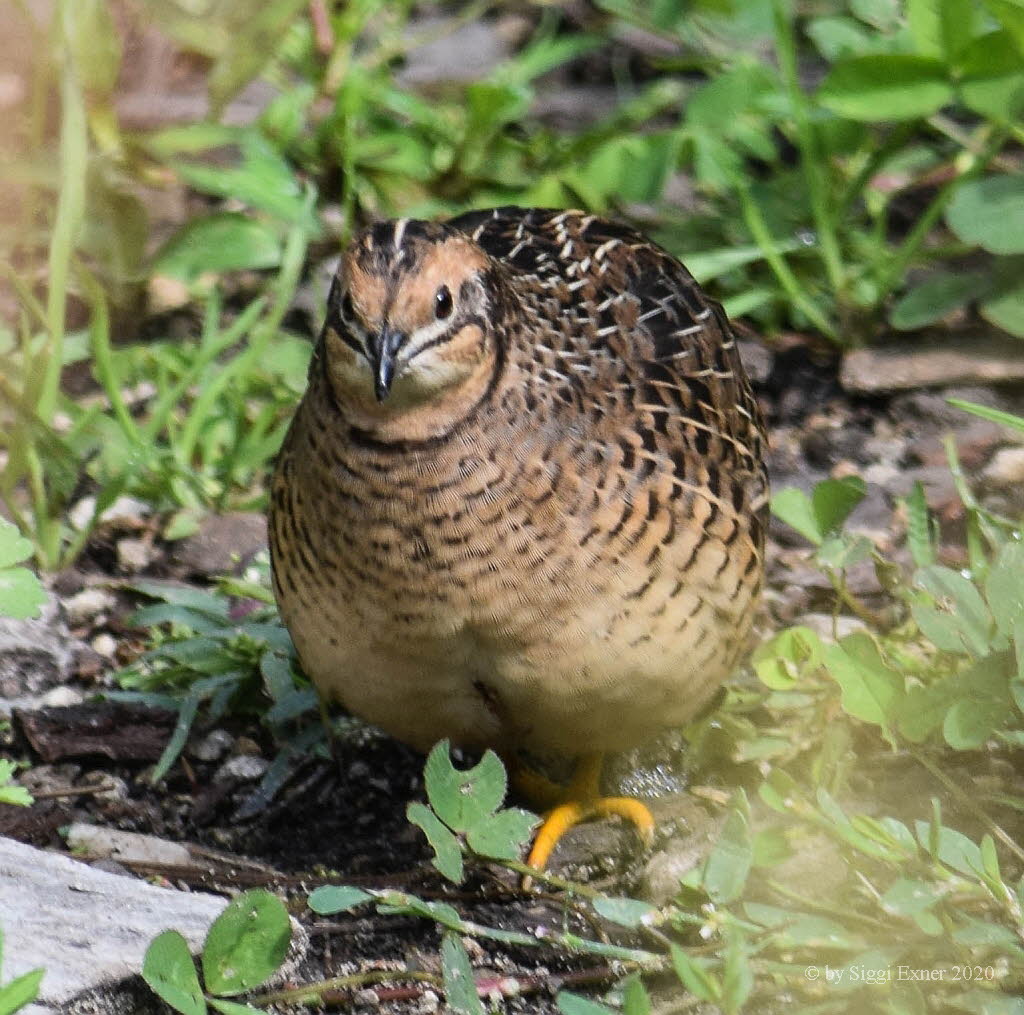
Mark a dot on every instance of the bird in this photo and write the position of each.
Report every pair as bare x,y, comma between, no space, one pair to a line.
522,502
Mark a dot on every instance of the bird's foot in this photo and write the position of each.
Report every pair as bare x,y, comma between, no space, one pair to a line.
560,819
581,801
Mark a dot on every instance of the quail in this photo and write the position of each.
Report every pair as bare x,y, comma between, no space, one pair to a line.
522,502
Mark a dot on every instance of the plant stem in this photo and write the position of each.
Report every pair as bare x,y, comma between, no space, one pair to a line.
924,225
74,153
762,236
811,157
311,993
965,801
878,157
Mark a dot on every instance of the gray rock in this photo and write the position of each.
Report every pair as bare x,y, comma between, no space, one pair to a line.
222,543
933,361
448,51
1006,470
87,605
35,656
831,628
243,767
211,747
87,928
124,509
758,360
110,844
134,555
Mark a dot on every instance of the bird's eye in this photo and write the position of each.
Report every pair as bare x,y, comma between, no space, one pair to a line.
442,303
347,310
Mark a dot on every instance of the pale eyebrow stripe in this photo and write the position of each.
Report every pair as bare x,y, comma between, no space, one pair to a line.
399,232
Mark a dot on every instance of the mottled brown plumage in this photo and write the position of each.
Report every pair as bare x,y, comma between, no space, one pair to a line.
522,502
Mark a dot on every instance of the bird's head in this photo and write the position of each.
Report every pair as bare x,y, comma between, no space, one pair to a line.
408,336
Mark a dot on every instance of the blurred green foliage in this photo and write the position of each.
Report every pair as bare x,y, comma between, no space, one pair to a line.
850,168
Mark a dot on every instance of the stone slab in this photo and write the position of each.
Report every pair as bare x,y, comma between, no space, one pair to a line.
86,927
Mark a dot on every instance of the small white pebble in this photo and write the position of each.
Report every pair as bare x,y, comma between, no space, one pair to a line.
244,767
88,604
62,697
81,513
134,555
1006,470
212,747
104,645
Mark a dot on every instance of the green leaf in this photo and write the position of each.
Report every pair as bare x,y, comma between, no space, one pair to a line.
635,1000
461,799
953,848
940,27
171,974
881,87
1006,310
440,912
1004,588
1018,644
460,991
844,550
247,943
14,548
1010,14
967,621
625,912
920,529
447,852
21,594
330,899
991,71
262,179
95,46
791,654
224,241
885,15
695,975
728,865
924,709
253,42
793,507
938,295
17,796
502,836
706,265
995,415
634,167
277,675
969,724
22,990
737,976
187,596
233,1007
836,37
907,897
990,859
573,1004
871,691
990,212
834,499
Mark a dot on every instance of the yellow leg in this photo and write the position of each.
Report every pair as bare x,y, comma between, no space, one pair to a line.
583,801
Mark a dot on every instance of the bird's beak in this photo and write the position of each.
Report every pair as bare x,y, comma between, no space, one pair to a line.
384,350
